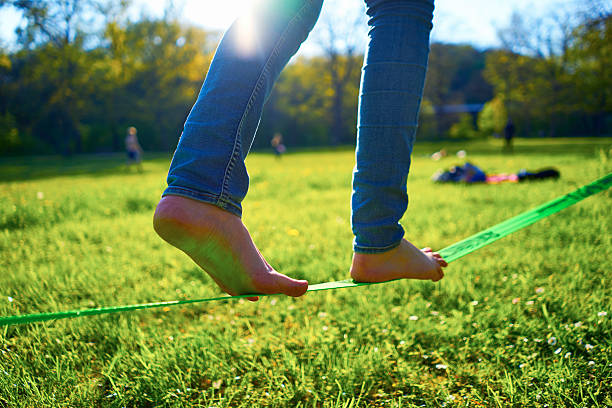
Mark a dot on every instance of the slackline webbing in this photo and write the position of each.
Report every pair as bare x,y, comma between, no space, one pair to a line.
450,254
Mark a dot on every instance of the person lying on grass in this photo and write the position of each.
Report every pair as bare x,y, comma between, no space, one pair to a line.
200,211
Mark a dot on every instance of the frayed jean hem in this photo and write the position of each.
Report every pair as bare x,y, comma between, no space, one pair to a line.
207,198
374,250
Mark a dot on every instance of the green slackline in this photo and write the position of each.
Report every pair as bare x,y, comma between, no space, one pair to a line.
450,254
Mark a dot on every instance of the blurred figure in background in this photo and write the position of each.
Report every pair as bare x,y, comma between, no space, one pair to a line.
133,149
277,145
509,131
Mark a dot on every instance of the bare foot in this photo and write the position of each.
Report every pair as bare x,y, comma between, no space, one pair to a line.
220,244
405,261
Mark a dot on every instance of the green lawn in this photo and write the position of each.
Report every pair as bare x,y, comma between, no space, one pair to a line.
525,321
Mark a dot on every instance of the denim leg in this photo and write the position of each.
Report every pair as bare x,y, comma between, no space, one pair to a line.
392,84
208,164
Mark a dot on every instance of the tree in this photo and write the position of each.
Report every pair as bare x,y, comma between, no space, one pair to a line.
591,57
52,79
554,72
531,73
300,105
73,91
340,48
438,82
492,118
61,22
464,128
454,76
157,67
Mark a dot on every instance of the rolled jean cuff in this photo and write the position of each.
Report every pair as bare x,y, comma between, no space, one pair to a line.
374,250
207,198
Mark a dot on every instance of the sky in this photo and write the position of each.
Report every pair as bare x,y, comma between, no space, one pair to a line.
455,21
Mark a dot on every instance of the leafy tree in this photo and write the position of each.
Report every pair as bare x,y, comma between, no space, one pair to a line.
83,72
300,105
61,22
454,77
71,94
492,118
156,68
9,135
464,128
51,75
554,73
342,61
48,90
591,57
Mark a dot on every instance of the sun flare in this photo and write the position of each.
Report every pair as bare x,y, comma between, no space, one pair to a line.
246,34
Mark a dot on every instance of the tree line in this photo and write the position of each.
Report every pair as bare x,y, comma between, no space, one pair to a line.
82,72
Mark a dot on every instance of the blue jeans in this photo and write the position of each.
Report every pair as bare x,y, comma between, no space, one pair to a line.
208,164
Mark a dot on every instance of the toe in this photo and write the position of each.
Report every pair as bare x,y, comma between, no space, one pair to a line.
440,274
296,288
439,259
442,262
280,283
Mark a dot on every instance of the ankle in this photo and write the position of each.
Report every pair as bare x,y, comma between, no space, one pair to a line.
364,259
363,264
174,219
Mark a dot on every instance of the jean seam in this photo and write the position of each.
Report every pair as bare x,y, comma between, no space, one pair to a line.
358,248
188,192
202,196
224,196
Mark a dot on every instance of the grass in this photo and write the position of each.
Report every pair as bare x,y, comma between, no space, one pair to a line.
522,322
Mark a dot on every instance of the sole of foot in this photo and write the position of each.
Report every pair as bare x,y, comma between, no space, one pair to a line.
402,262
219,243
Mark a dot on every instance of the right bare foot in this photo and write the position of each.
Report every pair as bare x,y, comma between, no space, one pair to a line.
221,245
405,261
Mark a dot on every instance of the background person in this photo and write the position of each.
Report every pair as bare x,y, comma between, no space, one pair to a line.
509,131
277,145
133,149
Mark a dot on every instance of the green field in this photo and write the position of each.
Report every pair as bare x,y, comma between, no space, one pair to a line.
525,321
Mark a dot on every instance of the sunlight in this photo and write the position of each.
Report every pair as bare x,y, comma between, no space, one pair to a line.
215,14
220,15
246,29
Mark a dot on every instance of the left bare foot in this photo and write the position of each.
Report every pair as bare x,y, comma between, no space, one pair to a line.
403,262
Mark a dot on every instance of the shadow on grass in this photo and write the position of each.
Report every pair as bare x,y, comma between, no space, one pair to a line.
41,167
95,165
